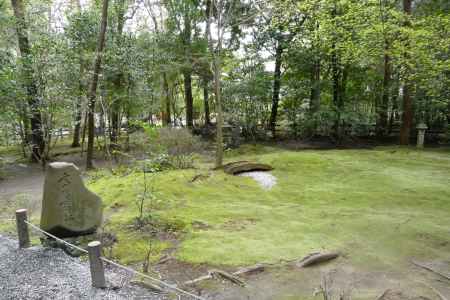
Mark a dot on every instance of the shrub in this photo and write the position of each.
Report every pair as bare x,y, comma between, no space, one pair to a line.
179,144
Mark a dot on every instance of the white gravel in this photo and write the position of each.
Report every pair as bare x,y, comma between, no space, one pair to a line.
46,273
265,179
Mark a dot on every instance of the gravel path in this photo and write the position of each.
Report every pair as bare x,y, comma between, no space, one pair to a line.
43,273
265,179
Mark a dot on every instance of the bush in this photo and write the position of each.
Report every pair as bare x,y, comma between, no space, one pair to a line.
157,163
179,144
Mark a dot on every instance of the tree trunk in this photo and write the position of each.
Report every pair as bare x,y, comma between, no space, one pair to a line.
219,137
407,116
382,121
118,78
336,89
93,87
276,87
78,110
187,73
336,76
166,120
315,86
206,103
37,135
382,124
189,99
217,78
77,128
76,5
314,104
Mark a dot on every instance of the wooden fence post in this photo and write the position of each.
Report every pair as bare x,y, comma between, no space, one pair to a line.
96,265
22,228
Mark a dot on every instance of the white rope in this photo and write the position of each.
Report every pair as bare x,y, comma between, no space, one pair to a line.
56,238
151,278
116,264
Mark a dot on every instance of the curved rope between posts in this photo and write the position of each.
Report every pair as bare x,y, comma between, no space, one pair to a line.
56,238
169,286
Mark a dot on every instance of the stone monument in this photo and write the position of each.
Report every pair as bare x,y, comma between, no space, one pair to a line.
68,207
421,128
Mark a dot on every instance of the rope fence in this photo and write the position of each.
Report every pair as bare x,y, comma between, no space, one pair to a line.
94,252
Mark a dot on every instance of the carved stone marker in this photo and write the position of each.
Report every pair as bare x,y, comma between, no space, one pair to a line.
68,207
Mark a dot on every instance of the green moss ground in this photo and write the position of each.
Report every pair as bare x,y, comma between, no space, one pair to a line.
380,206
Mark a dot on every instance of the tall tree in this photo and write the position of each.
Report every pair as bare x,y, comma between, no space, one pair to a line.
93,86
382,108
37,136
276,84
187,72
219,7
407,116
315,71
118,76
78,110
183,18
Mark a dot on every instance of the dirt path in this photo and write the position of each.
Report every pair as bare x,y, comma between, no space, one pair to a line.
23,185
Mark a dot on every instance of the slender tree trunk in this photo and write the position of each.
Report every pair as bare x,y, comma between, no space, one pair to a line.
383,107
77,127
382,122
407,116
118,78
187,73
206,77
115,110
166,119
276,87
217,90
217,78
206,103
76,5
37,135
189,99
336,75
315,86
336,89
93,87
26,123
78,110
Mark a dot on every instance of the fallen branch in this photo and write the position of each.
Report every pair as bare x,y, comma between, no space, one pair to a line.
231,277
228,276
381,297
147,285
316,258
252,269
199,279
430,269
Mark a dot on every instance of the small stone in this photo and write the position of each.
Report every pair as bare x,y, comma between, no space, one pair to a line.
68,207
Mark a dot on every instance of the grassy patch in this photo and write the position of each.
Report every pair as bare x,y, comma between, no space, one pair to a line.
389,204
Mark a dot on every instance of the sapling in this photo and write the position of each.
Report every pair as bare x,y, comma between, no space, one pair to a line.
145,199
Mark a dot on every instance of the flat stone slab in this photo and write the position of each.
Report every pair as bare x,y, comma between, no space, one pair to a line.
238,167
68,207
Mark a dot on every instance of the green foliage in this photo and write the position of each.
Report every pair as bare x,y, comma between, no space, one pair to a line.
180,146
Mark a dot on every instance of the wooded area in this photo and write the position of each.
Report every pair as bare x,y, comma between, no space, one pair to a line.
273,68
